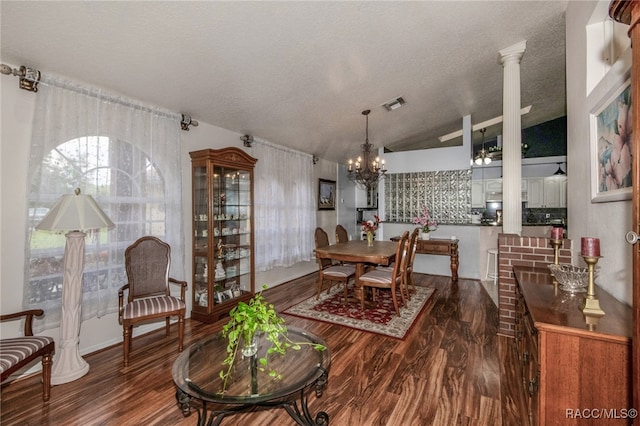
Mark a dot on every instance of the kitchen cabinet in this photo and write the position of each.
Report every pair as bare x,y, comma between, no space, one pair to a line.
493,185
535,192
223,244
477,194
555,191
547,192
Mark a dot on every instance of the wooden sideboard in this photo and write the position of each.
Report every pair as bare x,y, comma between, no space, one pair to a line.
571,365
440,247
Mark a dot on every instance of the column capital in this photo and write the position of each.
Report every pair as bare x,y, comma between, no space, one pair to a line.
513,53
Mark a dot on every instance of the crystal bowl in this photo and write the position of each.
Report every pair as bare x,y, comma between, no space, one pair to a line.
571,278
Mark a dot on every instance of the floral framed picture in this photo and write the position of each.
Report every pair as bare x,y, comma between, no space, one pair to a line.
326,194
610,138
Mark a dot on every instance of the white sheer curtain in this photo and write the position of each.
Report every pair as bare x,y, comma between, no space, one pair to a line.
127,156
285,209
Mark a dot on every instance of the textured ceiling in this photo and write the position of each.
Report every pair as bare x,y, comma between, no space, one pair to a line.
300,73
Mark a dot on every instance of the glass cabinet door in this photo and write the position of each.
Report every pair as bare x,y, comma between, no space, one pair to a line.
232,233
200,237
223,244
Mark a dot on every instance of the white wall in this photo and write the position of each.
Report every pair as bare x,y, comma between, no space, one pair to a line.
607,221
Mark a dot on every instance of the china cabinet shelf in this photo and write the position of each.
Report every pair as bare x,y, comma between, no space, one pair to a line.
223,246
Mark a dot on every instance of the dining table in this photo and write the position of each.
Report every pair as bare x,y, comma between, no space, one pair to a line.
361,254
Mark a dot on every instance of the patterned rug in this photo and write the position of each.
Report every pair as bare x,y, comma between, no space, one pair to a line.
381,319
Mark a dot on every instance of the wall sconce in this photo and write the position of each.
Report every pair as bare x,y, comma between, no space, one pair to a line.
315,159
247,140
29,77
186,122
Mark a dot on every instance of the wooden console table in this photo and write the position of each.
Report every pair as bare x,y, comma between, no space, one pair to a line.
440,247
568,361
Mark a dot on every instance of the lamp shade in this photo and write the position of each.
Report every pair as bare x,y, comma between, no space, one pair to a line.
75,213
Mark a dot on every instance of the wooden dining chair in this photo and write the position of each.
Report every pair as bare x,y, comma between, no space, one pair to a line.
342,236
328,271
412,245
379,278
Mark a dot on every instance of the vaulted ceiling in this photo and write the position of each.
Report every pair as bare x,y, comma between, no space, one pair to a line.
300,73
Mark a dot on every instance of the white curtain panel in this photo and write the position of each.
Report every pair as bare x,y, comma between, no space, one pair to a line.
127,156
285,210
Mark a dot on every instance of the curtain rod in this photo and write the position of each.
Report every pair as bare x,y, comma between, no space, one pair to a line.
272,145
30,78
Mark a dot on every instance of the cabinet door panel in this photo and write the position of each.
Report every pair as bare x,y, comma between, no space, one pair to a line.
553,192
477,194
493,185
535,192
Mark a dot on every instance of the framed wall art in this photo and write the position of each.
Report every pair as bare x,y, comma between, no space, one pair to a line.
326,194
610,144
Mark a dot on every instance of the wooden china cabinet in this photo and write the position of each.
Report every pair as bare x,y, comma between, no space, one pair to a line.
223,255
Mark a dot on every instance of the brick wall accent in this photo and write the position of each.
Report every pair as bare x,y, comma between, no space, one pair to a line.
514,250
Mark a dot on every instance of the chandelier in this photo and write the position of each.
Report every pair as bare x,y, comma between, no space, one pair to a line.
366,171
483,156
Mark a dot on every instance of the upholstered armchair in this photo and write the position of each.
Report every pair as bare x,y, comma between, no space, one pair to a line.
148,293
18,352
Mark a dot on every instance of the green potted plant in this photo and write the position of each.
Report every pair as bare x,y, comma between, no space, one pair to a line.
248,321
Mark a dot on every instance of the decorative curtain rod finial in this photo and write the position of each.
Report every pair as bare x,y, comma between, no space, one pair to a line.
186,122
29,77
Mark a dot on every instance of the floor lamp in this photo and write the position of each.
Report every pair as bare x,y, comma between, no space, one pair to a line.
76,214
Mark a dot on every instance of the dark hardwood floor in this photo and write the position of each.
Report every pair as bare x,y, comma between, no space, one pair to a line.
451,369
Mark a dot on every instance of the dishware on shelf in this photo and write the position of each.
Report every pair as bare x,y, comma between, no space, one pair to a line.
571,278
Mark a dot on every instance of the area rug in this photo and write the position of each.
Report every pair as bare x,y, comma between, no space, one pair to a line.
381,319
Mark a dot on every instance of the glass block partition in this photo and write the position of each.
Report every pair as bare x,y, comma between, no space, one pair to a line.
447,194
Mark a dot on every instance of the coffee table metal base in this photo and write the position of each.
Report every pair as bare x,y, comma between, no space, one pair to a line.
296,405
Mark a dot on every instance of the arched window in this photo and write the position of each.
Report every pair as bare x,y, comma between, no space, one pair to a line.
130,190
128,159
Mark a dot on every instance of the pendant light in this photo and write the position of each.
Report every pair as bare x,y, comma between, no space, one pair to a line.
482,157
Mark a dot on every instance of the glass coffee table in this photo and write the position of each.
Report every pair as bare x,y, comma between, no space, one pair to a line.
196,373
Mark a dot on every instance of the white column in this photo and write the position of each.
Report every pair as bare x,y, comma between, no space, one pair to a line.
511,139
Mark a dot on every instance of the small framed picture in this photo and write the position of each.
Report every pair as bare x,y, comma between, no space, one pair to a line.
610,138
326,194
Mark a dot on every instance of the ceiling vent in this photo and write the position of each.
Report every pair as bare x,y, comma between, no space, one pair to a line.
394,104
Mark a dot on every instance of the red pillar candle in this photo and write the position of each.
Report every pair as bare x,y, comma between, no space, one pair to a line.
590,246
556,233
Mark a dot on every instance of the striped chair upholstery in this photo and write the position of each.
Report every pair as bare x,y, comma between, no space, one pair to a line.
147,263
152,306
18,352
